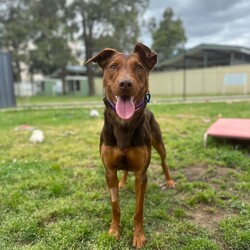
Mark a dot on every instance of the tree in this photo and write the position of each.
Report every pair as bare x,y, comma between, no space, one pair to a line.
169,37
36,35
49,26
14,32
50,37
103,23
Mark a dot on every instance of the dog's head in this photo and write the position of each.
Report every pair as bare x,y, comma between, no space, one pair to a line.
125,77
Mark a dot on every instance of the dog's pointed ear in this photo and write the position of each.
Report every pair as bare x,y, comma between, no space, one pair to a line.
102,57
148,56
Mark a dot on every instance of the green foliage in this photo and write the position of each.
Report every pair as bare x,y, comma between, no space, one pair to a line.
117,21
50,36
106,23
38,32
53,195
27,23
169,38
15,32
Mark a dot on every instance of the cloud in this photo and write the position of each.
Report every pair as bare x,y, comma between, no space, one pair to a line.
212,21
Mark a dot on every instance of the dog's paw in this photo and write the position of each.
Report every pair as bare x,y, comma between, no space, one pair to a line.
138,241
170,184
114,232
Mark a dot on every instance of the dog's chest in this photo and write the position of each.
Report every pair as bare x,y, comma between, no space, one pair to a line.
123,136
130,159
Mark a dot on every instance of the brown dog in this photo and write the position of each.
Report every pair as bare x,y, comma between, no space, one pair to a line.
129,128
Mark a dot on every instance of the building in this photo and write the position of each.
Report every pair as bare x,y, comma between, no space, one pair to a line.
75,82
207,55
206,69
71,81
74,86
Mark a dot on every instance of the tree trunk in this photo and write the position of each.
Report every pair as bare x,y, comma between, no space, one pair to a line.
33,85
88,41
18,77
64,91
90,71
90,76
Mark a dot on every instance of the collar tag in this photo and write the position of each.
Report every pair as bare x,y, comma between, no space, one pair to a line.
148,97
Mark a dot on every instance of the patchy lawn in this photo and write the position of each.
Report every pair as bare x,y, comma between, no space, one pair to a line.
53,195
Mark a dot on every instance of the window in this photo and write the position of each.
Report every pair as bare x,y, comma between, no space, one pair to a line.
40,86
74,85
77,85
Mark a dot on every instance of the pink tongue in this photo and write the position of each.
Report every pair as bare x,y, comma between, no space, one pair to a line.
125,107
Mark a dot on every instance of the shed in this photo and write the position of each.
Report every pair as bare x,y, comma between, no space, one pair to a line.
207,55
75,82
49,87
76,85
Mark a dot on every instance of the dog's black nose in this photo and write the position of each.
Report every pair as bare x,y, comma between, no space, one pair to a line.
126,84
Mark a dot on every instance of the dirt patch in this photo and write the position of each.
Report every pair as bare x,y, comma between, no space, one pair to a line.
209,217
196,173
208,173
205,215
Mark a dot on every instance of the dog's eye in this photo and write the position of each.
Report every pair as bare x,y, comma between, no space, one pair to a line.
138,67
113,67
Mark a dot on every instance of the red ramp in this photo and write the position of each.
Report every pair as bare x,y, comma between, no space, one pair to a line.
229,128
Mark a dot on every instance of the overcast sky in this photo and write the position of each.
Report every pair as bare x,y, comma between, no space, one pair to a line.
207,21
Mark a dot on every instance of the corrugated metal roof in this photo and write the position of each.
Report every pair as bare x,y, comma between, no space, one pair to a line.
207,55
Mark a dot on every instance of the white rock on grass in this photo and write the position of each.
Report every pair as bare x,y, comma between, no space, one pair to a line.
37,136
94,113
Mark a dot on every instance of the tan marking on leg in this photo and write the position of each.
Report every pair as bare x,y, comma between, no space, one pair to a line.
113,194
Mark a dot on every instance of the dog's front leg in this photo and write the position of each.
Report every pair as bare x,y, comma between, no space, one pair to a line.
140,189
112,181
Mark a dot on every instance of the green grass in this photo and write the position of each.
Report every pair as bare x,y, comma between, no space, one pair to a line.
53,195
54,99
39,100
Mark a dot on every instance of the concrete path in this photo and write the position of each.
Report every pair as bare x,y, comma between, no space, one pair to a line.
157,101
